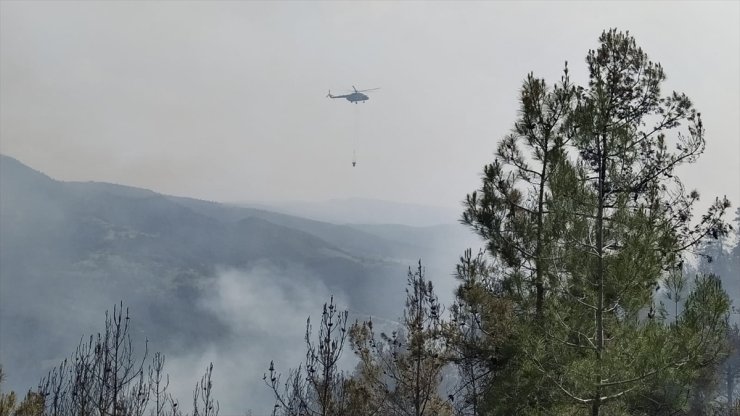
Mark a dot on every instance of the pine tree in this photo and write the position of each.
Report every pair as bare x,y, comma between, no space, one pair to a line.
721,257
31,405
479,336
512,212
403,369
730,368
587,249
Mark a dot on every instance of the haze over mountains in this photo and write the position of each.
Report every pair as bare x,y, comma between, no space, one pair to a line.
364,211
202,279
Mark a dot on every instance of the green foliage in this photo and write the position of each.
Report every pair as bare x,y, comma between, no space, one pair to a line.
584,228
31,405
402,370
717,387
511,210
7,403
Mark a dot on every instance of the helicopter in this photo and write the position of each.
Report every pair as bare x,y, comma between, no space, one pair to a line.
354,97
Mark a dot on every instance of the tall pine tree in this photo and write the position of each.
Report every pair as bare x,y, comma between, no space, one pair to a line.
585,244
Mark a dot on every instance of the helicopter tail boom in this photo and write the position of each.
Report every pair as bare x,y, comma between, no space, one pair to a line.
336,96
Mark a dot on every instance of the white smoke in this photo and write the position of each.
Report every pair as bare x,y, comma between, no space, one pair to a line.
265,308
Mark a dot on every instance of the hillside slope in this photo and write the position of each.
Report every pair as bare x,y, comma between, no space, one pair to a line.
70,250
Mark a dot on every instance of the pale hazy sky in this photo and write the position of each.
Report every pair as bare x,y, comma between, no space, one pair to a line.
226,100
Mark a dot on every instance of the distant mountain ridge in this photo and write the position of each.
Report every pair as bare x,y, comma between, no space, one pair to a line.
363,211
69,250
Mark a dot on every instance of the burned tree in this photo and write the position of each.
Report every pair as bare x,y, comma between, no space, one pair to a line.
317,386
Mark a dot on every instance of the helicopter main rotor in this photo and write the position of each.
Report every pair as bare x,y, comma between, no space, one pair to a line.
369,89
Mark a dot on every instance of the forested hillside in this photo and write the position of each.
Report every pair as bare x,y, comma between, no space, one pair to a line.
73,249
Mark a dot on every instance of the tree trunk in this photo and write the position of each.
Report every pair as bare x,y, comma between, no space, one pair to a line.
601,149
